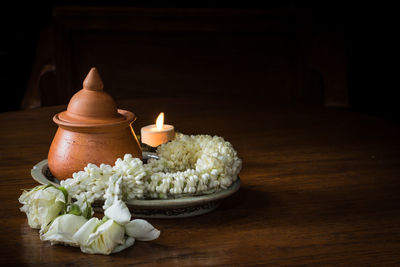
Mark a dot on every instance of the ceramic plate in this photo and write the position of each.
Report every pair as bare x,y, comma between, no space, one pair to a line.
168,208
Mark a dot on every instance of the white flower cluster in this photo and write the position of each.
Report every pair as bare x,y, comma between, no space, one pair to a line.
188,165
196,164
48,208
124,181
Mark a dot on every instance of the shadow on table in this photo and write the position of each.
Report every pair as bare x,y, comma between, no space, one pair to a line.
245,206
247,198
251,208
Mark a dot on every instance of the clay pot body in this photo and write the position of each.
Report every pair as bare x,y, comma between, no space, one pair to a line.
73,147
92,130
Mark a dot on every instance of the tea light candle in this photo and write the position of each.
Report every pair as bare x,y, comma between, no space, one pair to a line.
157,134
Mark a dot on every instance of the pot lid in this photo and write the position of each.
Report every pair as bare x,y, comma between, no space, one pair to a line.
91,105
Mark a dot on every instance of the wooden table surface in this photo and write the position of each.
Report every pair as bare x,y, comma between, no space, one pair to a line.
319,186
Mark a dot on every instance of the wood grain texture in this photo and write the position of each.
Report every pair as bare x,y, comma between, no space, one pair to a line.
319,187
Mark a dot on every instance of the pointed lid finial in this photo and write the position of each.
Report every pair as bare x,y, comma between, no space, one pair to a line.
91,105
93,81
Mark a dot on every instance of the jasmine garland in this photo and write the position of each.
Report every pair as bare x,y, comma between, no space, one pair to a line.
188,165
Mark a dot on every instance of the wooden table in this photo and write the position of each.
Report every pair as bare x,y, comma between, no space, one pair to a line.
319,186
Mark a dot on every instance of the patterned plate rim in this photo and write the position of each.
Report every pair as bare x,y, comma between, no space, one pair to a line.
38,176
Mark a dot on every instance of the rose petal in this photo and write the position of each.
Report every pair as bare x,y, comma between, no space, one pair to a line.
119,212
82,235
62,229
141,230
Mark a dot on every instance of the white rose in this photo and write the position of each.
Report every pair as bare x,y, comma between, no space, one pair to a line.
105,239
42,204
98,237
108,235
63,228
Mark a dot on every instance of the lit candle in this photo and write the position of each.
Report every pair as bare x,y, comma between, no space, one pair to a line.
157,134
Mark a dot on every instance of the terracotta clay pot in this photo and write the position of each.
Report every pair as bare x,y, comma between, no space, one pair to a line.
91,130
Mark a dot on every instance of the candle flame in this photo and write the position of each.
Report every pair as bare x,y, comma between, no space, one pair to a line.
160,121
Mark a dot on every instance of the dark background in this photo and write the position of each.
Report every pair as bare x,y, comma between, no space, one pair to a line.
368,31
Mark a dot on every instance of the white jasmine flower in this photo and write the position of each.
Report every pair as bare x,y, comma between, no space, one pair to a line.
113,191
42,205
89,184
132,172
62,229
